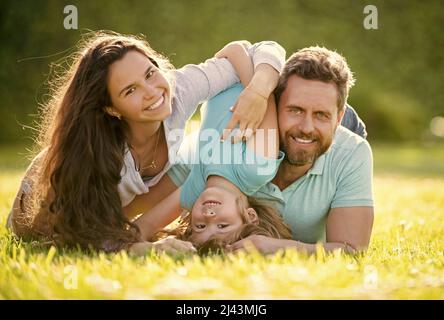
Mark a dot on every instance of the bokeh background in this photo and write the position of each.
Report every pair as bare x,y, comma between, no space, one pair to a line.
399,94
399,67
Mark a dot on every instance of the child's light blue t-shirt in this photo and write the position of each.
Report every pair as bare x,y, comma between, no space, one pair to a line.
235,162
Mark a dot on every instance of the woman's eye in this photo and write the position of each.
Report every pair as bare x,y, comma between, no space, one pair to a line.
131,90
200,226
149,74
221,226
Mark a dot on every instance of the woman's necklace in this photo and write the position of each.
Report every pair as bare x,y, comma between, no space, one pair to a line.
152,165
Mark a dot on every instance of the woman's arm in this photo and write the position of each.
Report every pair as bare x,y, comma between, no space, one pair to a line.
265,140
146,201
162,214
197,83
236,53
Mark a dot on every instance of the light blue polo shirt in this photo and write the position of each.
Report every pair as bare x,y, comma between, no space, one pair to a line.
235,162
341,177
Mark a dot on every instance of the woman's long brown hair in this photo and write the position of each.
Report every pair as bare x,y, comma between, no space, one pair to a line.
84,149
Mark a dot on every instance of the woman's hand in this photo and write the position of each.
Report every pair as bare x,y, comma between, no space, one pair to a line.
259,83
169,245
248,112
251,106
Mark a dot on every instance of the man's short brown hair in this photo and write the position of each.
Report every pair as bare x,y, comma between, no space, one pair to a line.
318,63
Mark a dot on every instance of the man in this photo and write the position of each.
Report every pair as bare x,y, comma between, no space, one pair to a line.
323,187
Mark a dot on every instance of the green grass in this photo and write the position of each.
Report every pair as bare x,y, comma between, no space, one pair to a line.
405,259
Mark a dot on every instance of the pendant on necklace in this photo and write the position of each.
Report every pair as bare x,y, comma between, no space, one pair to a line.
152,165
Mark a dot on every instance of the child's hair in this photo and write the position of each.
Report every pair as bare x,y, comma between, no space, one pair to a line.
270,224
76,184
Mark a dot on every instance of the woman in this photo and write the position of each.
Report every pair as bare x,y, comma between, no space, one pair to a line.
106,137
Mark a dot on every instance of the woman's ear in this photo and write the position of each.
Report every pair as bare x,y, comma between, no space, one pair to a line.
252,216
112,112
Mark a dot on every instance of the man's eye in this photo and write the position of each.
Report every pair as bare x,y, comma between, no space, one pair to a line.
321,115
221,225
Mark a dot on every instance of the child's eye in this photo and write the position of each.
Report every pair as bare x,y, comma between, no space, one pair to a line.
221,225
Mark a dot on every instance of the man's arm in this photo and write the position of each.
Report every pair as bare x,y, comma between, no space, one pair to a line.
348,229
350,219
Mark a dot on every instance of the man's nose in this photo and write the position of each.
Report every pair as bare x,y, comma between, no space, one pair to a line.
306,125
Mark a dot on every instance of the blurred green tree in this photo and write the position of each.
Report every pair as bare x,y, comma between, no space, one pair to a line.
399,67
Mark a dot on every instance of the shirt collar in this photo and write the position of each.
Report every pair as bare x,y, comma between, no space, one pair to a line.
318,167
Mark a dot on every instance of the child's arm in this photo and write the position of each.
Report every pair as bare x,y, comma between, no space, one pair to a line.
259,84
162,214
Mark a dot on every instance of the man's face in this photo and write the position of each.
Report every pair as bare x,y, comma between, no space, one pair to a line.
308,118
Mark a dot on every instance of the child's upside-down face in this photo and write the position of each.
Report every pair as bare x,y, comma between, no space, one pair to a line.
216,214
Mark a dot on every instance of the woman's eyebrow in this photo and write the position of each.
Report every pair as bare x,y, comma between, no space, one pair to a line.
132,84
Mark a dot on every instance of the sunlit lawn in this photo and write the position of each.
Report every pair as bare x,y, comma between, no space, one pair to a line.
405,259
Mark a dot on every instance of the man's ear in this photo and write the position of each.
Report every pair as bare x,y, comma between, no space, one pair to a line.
252,216
341,115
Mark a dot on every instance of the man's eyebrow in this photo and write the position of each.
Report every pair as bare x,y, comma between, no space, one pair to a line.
132,84
293,106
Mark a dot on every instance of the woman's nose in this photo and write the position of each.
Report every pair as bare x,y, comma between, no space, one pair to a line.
149,90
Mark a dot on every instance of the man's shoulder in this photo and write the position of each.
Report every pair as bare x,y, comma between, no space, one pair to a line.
346,141
348,147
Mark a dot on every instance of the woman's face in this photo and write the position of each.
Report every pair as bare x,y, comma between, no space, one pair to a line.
139,90
215,214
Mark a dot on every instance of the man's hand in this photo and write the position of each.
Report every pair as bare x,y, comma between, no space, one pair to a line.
249,112
261,243
169,245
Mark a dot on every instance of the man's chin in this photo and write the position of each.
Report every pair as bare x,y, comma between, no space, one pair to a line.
301,159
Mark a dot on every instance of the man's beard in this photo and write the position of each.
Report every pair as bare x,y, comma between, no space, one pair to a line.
300,157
